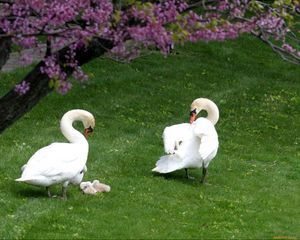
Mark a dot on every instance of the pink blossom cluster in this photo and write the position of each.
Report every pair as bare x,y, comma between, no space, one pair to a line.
63,86
22,88
150,23
221,5
270,22
51,68
31,18
79,74
212,27
152,34
58,76
130,27
288,48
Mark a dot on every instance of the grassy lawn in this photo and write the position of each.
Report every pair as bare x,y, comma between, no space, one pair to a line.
253,188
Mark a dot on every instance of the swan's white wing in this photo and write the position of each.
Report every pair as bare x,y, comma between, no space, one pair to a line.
53,160
208,148
169,140
174,135
206,132
204,127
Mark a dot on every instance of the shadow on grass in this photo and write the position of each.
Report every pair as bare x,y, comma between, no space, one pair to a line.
179,176
33,192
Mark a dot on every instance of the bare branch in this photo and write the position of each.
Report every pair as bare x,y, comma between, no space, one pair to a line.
10,2
289,57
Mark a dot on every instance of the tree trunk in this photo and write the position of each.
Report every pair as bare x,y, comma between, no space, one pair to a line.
5,44
13,106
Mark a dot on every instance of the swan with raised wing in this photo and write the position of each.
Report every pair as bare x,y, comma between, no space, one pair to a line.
61,162
191,145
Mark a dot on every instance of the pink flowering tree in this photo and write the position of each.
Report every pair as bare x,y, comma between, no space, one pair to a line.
71,33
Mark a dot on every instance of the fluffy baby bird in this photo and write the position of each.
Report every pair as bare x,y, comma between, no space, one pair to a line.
87,188
100,187
93,188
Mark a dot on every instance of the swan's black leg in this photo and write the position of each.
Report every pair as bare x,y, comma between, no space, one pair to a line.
64,190
48,192
64,193
204,172
187,174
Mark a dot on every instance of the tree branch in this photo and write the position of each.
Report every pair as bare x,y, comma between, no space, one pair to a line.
13,106
5,49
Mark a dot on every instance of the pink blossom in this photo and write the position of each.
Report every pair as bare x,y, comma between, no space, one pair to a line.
51,68
26,58
63,87
79,74
22,88
288,48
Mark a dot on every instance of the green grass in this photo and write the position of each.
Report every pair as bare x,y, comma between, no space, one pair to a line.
254,184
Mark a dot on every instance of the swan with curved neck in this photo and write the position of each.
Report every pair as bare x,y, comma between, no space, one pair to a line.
70,133
61,162
209,106
191,145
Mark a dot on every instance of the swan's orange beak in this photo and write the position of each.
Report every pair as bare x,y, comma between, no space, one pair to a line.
88,131
193,116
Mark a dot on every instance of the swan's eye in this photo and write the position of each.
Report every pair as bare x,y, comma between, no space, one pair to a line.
87,131
193,112
90,129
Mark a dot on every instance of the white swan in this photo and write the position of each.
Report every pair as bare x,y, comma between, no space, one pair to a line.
191,145
61,162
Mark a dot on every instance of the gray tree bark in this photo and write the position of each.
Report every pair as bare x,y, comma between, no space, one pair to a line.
5,48
14,106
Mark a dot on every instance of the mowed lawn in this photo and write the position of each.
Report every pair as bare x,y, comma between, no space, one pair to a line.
253,184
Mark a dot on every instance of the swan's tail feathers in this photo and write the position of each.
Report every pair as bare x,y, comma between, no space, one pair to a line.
20,179
32,180
168,163
23,167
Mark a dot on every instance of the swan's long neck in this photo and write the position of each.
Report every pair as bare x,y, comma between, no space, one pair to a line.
69,131
210,107
212,112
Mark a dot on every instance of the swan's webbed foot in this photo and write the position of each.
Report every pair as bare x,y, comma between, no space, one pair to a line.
187,174
48,192
204,172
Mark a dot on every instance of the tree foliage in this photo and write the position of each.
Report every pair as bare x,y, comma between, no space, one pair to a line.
71,33
131,25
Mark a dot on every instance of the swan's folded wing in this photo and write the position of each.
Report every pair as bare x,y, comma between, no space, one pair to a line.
208,147
169,140
174,135
52,160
